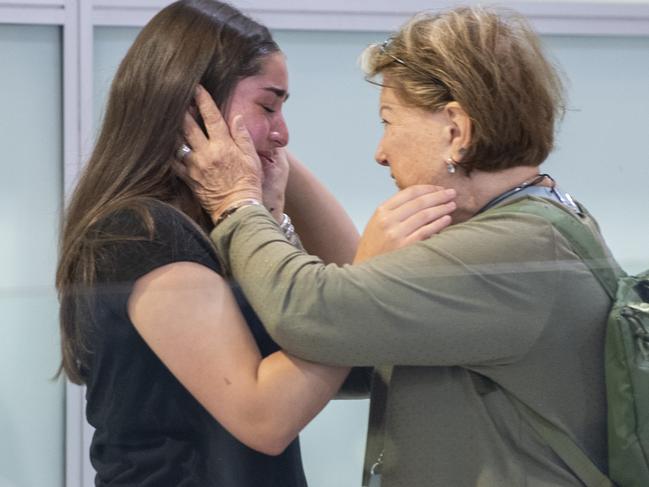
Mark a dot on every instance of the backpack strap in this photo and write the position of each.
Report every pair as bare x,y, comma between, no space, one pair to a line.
606,271
556,438
581,239
564,446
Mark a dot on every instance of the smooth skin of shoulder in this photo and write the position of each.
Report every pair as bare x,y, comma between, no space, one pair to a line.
188,316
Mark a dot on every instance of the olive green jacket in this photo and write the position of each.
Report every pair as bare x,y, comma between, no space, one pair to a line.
502,295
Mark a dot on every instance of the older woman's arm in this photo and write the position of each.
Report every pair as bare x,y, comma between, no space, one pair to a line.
480,292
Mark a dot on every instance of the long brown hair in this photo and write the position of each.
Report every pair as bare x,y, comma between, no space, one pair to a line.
187,43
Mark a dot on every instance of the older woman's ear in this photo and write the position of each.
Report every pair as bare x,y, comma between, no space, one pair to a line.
459,129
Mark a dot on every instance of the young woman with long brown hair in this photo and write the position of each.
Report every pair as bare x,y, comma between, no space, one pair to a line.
189,402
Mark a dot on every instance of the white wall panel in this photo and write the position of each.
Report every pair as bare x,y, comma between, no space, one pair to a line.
31,405
555,17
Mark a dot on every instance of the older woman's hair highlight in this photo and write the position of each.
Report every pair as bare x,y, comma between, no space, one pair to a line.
492,64
186,43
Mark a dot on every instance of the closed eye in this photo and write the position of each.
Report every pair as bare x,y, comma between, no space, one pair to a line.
268,109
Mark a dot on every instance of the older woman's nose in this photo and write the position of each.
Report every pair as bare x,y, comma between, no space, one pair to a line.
379,156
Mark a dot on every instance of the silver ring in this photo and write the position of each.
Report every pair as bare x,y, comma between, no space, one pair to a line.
183,151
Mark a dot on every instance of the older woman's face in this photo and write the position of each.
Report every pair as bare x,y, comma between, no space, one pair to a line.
415,142
259,99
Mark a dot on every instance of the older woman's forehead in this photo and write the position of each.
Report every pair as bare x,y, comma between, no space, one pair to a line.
390,98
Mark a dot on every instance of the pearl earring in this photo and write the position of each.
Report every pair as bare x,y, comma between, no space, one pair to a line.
450,165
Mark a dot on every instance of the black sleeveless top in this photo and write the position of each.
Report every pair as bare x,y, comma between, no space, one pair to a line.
149,431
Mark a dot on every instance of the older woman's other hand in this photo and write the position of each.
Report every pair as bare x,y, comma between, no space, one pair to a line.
223,166
275,181
411,215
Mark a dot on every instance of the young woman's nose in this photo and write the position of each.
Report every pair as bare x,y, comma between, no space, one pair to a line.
279,133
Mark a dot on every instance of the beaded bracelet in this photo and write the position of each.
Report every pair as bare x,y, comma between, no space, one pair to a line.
235,206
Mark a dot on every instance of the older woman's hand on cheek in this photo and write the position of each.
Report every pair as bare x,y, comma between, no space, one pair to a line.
411,215
223,167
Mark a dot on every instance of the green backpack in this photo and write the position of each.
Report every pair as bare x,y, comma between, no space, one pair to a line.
626,361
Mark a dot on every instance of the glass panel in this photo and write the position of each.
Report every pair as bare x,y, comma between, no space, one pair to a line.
601,155
334,125
333,118
110,46
31,405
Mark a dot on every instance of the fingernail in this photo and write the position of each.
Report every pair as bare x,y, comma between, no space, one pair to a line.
450,192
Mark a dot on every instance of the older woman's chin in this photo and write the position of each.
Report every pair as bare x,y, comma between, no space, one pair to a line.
396,182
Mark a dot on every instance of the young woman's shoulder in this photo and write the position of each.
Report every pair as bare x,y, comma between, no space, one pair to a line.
137,238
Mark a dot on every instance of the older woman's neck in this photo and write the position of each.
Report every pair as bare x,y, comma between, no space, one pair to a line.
475,191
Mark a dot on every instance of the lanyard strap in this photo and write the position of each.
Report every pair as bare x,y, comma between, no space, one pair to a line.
376,428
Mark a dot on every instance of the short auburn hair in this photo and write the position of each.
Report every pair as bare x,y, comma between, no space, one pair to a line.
492,64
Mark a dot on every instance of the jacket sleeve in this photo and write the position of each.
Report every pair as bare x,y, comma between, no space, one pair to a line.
479,293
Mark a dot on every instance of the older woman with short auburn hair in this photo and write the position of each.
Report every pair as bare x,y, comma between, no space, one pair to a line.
475,323
511,92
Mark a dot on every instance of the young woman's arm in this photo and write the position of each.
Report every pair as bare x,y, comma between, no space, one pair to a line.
324,227
188,316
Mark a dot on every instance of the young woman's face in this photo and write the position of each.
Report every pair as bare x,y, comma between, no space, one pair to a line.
259,99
